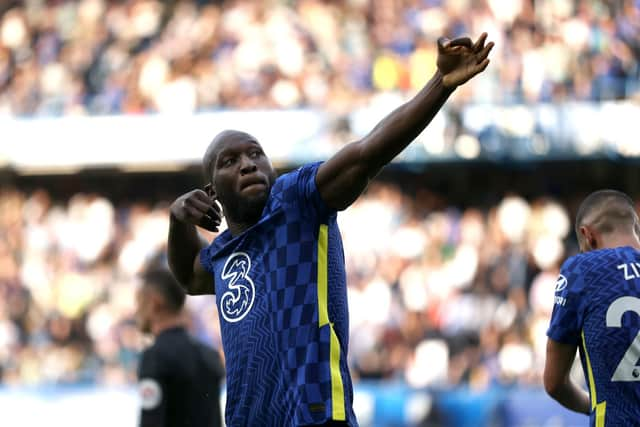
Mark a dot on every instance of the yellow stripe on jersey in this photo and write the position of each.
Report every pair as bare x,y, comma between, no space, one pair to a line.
601,407
323,250
337,388
592,383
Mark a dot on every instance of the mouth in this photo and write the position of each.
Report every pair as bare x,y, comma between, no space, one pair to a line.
253,184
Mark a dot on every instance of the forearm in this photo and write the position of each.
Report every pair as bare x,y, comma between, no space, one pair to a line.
396,131
344,176
572,397
183,246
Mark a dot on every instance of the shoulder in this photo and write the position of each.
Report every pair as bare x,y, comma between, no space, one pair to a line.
601,258
294,186
151,362
299,175
572,274
591,260
157,353
584,265
151,352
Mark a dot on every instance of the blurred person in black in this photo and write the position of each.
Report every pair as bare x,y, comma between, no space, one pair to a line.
179,377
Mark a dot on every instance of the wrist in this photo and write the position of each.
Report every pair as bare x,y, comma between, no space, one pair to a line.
445,81
173,216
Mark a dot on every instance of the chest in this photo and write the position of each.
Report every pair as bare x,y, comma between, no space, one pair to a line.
263,269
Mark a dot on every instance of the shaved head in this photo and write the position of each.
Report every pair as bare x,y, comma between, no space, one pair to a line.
238,175
229,135
606,212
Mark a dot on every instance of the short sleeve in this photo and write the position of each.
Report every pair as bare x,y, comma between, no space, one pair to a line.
299,187
151,390
567,316
205,259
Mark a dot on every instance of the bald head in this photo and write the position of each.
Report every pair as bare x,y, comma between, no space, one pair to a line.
225,137
605,212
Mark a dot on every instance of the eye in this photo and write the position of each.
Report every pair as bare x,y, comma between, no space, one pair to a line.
226,162
255,153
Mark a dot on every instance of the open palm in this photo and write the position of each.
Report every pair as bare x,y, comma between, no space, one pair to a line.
460,59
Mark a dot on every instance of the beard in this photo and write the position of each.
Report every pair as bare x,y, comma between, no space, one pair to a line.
246,210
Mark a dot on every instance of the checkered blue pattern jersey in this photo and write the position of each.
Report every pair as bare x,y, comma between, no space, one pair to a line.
282,301
597,308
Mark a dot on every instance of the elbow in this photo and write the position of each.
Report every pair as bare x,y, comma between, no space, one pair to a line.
552,389
183,279
554,386
186,284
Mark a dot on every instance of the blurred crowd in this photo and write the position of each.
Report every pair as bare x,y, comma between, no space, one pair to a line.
181,56
439,295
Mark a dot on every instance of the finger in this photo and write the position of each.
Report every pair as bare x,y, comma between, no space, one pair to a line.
201,195
443,43
202,206
214,214
479,45
193,213
462,41
208,223
215,205
481,66
485,52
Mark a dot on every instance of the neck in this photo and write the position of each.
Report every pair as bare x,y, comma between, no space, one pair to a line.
236,228
242,215
162,323
241,225
621,240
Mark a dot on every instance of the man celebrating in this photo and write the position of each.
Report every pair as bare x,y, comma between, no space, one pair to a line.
278,271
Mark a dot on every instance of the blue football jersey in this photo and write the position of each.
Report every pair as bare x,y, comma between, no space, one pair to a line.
597,307
282,301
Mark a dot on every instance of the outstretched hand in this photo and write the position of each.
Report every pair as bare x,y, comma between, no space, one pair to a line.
197,208
460,59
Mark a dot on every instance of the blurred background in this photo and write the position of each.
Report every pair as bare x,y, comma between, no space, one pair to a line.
107,106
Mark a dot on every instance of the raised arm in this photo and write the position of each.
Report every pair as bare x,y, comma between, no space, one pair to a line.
187,211
342,178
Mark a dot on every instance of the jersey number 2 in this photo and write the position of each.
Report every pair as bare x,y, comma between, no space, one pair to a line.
627,369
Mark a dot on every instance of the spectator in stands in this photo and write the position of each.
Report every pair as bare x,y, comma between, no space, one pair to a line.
464,289
102,57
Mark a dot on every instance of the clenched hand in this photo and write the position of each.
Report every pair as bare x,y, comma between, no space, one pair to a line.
197,208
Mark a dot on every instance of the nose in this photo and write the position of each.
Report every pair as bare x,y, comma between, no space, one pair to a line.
247,166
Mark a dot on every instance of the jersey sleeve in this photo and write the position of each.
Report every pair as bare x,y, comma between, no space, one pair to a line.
567,316
205,260
299,187
152,391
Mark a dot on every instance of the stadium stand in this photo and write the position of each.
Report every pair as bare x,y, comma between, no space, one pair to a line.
465,255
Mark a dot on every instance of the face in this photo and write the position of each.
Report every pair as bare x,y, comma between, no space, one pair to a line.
241,176
143,310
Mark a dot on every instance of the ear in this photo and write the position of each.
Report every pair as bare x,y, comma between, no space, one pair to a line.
154,301
590,238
